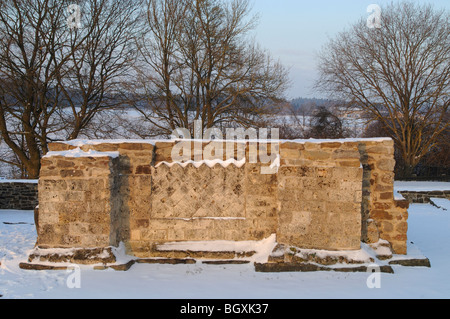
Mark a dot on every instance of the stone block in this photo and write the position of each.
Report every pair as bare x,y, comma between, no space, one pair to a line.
292,146
386,164
332,145
346,154
57,147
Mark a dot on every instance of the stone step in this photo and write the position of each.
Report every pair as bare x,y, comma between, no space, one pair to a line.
308,267
382,249
413,262
201,254
82,256
37,266
203,250
288,254
226,262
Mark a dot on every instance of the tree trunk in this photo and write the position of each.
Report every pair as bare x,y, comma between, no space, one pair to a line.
407,171
32,168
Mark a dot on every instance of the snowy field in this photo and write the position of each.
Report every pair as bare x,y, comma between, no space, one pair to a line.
429,230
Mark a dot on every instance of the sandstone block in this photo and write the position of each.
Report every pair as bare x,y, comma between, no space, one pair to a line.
332,145
386,164
57,147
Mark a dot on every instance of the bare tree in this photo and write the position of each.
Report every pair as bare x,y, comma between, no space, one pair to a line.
295,120
29,34
198,64
435,162
324,124
46,66
155,74
399,73
101,56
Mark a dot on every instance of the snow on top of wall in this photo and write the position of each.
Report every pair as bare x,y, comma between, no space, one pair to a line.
23,181
81,142
398,196
77,153
344,140
420,186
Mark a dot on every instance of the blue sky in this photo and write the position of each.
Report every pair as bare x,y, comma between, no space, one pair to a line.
295,30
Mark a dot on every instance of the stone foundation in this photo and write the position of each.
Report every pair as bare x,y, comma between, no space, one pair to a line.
329,195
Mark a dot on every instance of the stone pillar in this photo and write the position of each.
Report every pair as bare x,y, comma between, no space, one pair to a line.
384,217
78,200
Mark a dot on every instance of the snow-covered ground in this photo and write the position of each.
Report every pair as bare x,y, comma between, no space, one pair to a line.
429,230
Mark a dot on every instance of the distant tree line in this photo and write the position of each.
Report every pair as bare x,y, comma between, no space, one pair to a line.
174,61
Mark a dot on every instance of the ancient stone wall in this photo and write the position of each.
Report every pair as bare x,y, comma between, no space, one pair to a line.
325,195
18,195
383,217
78,201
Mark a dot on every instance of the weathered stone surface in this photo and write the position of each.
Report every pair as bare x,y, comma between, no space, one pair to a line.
373,234
78,212
75,256
325,195
192,192
310,207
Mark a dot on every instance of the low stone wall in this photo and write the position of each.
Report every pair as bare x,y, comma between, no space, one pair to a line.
21,195
327,195
424,196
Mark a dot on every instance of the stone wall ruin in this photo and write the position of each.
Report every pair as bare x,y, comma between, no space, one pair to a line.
329,195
